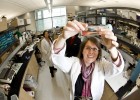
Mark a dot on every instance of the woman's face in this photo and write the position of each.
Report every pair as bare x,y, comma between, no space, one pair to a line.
90,53
46,34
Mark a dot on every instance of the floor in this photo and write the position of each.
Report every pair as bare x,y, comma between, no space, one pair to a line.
56,88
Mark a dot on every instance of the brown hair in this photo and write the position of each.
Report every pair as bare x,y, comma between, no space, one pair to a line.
45,32
93,40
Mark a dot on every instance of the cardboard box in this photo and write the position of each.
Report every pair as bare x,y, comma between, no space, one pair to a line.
3,24
17,22
27,21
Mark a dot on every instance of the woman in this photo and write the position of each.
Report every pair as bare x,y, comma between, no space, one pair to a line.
46,43
89,71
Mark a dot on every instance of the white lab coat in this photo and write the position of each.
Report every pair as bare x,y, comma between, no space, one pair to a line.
46,51
102,70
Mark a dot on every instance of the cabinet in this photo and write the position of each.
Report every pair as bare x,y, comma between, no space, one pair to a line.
24,95
31,69
108,93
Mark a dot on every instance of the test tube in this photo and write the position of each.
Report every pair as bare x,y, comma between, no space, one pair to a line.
94,29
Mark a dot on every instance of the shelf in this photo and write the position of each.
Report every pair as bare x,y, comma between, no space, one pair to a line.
98,15
132,24
81,16
114,16
127,47
13,28
104,12
132,47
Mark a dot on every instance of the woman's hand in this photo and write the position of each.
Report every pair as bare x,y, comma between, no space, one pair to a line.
72,28
110,41
108,38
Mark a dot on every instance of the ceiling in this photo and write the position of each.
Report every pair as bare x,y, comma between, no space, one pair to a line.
13,8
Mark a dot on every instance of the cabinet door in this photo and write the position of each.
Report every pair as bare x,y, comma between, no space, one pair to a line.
108,93
24,95
33,67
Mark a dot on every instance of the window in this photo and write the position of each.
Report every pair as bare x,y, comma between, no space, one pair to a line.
44,20
46,14
63,11
40,25
56,12
59,21
39,15
47,23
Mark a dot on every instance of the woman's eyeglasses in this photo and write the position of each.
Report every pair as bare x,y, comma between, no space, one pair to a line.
89,48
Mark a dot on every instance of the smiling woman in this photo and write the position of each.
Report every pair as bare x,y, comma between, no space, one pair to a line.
89,69
90,50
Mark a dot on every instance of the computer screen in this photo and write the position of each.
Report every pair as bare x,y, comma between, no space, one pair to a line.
6,40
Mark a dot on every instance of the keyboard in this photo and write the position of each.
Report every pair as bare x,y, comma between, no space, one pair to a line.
16,67
7,75
4,72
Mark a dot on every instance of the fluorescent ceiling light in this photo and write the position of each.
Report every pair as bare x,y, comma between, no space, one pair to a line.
49,6
48,1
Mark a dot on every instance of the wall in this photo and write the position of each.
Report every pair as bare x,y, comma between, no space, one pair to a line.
30,15
70,10
81,8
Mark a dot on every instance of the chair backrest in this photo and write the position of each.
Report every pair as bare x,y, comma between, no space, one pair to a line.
135,72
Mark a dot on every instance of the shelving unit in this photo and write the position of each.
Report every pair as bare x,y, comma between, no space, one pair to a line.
134,49
109,13
119,19
7,44
11,47
81,16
